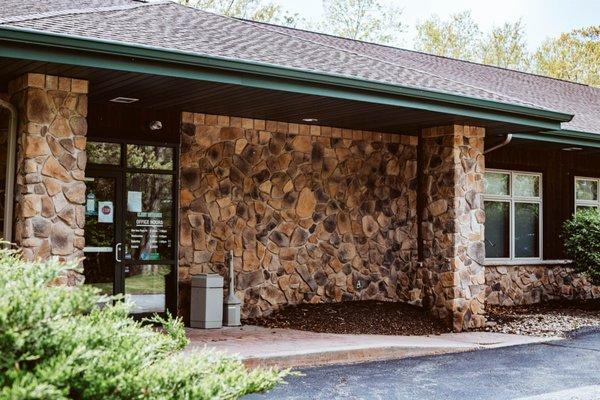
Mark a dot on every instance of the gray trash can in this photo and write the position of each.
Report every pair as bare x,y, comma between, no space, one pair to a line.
207,301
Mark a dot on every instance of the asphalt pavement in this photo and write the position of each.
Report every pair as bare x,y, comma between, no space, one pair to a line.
568,369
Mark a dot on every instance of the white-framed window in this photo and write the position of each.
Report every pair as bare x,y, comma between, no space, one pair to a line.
513,215
586,193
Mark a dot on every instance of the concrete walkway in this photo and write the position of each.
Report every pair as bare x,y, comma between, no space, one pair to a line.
291,348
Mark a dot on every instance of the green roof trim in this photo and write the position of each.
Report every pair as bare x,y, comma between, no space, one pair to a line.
51,47
569,137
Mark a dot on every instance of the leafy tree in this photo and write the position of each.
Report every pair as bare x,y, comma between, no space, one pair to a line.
572,56
457,37
460,37
368,20
255,10
57,343
505,47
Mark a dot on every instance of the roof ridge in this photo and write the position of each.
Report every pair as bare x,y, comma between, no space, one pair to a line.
74,11
265,26
413,51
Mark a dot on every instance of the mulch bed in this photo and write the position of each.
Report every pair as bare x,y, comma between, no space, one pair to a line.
355,317
554,318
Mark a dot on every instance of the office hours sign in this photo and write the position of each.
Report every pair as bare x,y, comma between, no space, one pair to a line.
149,235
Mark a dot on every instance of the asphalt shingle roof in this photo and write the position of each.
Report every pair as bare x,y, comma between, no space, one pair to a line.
174,27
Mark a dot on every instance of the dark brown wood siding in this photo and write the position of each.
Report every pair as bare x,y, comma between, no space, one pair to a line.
559,168
128,122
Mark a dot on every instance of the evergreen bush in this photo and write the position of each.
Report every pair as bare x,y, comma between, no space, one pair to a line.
57,343
582,242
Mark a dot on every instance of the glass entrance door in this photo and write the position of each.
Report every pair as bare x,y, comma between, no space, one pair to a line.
135,184
102,231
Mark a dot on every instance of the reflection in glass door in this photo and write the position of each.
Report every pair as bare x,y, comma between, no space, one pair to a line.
143,263
102,231
148,238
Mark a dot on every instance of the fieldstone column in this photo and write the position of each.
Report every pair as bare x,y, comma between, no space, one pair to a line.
452,218
51,158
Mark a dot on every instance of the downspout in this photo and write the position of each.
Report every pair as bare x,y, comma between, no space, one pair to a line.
506,141
11,156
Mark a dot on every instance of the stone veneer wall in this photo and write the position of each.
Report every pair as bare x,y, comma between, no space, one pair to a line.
51,158
518,285
452,219
312,213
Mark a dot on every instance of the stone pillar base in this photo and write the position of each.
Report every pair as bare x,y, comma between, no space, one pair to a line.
452,219
51,158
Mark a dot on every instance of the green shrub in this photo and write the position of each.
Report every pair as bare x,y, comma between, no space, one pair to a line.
56,343
582,242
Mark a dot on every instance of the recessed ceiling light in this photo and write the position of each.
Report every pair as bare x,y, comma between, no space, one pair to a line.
309,119
124,100
571,148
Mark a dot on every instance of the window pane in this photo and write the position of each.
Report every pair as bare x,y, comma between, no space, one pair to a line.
527,230
526,185
103,153
151,157
496,183
4,118
148,220
583,208
586,189
98,265
497,229
145,286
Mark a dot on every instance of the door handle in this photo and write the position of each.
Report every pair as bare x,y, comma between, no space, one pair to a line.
117,249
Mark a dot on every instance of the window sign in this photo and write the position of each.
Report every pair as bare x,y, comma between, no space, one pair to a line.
148,222
105,212
90,204
147,234
134,201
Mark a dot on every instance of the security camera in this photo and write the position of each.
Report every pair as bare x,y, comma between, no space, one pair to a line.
155,126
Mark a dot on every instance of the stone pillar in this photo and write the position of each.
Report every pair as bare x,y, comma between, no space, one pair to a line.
452,218
51,158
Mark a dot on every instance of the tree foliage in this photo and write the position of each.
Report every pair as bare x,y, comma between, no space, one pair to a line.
255,10
573,56
57,343
505,46
457,37
460,37
368,20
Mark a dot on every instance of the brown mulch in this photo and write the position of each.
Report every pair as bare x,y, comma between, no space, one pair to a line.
355,317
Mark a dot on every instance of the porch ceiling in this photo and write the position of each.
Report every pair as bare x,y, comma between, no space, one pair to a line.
179,94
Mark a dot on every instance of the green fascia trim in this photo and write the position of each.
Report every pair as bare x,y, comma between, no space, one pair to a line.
567,137
93,52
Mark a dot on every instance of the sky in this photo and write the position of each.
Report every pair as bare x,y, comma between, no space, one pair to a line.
542,18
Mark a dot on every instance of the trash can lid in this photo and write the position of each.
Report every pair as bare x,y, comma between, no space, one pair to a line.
207,280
